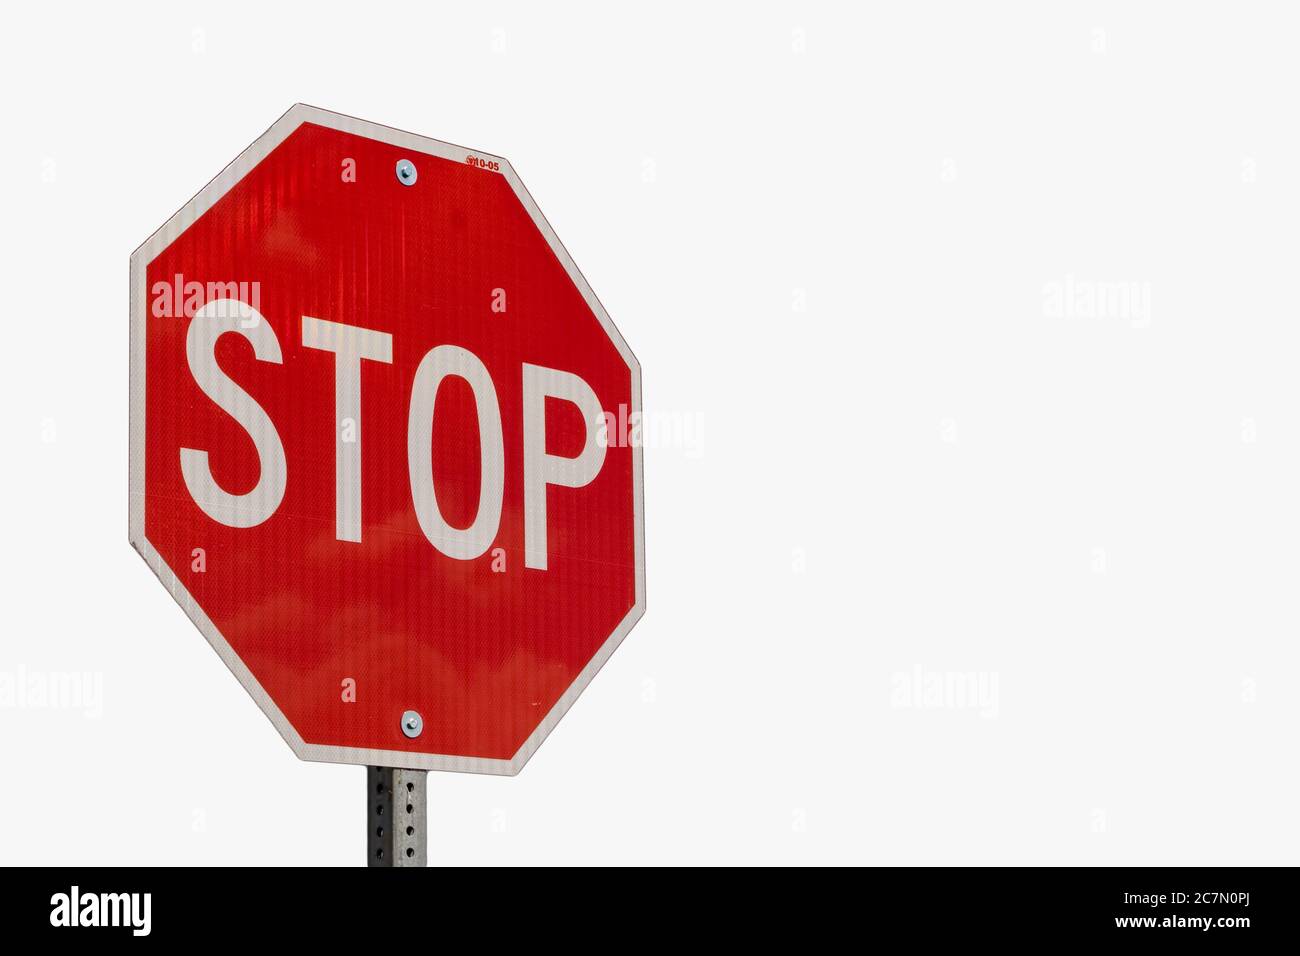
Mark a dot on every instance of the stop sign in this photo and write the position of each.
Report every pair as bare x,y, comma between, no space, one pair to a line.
384,446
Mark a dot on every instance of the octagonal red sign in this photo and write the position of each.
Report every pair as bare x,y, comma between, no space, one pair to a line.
384,446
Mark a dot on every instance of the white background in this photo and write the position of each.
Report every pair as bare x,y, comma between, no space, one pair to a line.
837,239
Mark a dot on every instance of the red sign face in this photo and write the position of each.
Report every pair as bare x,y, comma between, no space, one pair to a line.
384,446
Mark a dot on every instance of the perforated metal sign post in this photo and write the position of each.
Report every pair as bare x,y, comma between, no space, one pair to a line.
384,450
397,817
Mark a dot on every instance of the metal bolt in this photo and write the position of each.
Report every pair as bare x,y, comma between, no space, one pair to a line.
412,723
406,175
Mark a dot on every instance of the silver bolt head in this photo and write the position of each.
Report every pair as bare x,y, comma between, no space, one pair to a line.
406,172
412,723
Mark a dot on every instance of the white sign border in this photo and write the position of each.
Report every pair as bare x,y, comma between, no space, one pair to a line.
168,233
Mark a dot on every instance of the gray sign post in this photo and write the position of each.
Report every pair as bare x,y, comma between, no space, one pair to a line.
397,817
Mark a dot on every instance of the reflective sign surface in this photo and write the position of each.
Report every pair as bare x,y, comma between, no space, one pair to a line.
384,446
